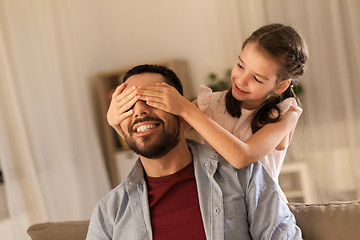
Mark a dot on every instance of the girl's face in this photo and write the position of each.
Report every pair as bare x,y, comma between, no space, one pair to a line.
253,77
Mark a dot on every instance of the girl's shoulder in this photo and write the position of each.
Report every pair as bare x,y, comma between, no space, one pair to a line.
206,97
289,103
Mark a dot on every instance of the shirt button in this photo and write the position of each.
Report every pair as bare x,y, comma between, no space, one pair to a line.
217,210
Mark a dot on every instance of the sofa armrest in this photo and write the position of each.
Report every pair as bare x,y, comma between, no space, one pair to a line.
72,230
333,220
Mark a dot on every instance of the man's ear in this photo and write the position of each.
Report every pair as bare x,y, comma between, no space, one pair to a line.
283,85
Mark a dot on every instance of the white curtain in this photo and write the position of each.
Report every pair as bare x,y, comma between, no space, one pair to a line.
328,135
49,150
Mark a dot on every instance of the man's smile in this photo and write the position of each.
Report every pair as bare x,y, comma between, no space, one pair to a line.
145,125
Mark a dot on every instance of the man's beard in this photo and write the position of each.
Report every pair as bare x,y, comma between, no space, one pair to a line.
167,140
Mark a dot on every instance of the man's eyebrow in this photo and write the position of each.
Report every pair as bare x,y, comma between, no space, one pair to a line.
257,74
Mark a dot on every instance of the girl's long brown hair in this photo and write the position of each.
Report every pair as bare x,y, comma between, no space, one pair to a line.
285,46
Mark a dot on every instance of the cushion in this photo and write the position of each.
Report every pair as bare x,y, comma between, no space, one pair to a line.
71,230
333,220
324,221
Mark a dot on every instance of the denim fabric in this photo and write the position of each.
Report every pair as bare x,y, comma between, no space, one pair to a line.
235,204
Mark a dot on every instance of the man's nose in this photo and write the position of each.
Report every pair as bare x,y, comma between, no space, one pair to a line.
141,109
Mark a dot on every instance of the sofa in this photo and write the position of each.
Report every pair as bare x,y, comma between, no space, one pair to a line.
324,221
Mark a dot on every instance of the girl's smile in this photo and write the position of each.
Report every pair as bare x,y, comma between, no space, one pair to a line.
240,91
254,76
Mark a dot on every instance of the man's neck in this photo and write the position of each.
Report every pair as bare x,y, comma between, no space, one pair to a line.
175,160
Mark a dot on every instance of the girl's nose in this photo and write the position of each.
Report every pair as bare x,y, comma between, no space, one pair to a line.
141,109
243,79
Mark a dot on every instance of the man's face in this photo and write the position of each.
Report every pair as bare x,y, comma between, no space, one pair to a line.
150,132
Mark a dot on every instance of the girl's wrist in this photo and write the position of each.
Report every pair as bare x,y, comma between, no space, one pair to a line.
183,111
190,111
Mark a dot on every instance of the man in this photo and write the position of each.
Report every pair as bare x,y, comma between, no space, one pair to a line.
180,189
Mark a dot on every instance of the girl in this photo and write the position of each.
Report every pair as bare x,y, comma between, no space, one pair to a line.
255,119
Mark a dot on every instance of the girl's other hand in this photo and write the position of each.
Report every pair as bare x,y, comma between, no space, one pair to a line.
120,106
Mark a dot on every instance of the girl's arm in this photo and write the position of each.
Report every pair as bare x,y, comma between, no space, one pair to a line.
238,153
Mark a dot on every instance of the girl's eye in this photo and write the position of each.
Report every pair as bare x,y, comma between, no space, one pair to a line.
256,79
240,66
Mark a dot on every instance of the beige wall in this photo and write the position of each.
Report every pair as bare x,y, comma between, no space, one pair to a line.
112,34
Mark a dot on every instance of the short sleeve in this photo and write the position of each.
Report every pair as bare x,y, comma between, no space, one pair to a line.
287,103
204,98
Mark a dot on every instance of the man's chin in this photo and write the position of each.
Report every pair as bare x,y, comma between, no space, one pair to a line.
154,148
146,140
150,152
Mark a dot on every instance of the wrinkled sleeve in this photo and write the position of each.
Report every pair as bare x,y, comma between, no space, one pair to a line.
286,105
289,103
99,227
204,98
269,217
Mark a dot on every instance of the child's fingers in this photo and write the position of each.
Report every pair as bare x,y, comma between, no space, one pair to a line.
118,112
125,96
158,87
151,90
119,89
125,115
150,97
129,91
122,98
163,84
128,103
157,91
158,105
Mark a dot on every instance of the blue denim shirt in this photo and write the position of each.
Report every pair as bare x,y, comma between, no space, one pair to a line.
235,203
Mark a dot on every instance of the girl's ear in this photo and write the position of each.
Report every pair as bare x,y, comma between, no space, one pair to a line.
284,84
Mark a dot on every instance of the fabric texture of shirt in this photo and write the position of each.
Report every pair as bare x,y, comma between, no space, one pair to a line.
214,106
174,206
235,203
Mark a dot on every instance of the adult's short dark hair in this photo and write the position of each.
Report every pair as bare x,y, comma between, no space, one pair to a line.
170,76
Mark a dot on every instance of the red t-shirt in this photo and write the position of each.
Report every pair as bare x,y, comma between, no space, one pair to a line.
174,206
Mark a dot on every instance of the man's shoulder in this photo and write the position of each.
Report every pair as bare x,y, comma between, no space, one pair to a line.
134,178
201,151
115,194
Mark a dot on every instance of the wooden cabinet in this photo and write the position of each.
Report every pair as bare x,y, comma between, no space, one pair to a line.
106,83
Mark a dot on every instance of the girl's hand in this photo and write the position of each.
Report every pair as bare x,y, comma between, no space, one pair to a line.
120,106
164,97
